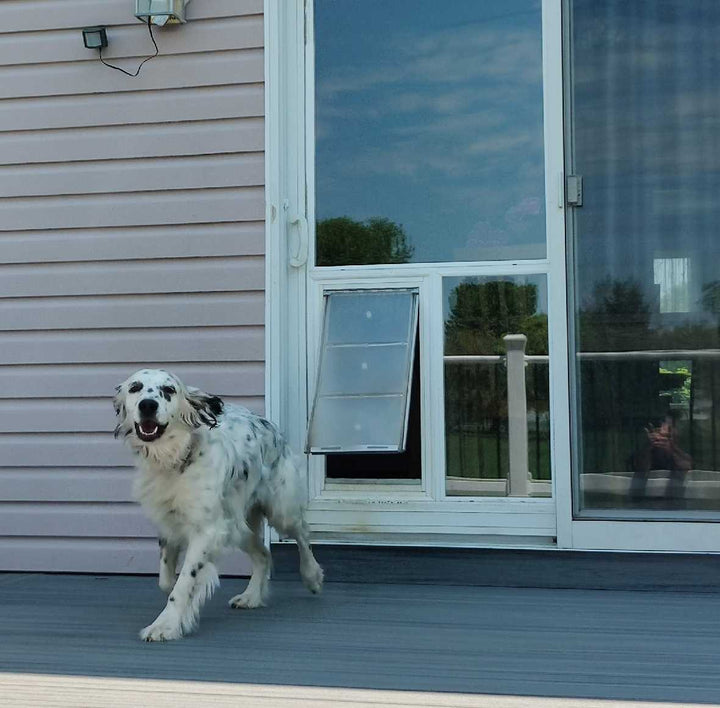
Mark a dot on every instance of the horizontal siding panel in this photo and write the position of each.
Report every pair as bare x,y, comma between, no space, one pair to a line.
99,380
134,141
96,555
79,555
134,243
62,450
57,416
87,450
139,209
131,40
132,277
19,15
132,235
103,176
201,310
256,404
123,520
211,344
242,66
131,108
69,415
74,519
66,484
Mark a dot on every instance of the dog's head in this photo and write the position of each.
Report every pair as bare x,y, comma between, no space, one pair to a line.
151,401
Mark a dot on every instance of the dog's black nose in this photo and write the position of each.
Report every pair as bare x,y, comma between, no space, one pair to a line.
148,406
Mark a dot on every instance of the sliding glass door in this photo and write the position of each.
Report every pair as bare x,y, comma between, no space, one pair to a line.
642,106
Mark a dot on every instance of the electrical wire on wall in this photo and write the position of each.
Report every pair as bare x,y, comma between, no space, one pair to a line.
137,71
96,38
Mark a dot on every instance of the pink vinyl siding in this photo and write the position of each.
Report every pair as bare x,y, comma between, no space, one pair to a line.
132,234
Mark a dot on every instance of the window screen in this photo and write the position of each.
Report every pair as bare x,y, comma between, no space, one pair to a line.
363,383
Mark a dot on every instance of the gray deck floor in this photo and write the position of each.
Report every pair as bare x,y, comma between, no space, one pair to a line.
486,642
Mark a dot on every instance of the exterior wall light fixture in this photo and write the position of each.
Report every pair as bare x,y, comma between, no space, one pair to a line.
161,12
95,37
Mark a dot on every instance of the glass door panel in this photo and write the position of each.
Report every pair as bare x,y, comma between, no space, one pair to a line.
645,325
497,422
429,171
428,131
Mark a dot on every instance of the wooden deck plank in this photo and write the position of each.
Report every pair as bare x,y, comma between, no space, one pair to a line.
25,690
493,644
511,567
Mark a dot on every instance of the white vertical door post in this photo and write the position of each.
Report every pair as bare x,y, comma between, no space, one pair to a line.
517,415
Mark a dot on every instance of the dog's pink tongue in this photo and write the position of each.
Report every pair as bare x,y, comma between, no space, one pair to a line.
148,427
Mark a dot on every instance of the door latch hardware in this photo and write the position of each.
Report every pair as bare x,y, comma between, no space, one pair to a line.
574,190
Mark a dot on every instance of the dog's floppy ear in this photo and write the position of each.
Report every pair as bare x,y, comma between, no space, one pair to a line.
120,410
200,408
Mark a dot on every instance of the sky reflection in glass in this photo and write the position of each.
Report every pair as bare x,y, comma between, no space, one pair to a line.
430,115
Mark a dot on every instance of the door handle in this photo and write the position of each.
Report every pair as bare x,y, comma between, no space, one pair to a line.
300,256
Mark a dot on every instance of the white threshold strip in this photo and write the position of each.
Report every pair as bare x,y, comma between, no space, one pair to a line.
23,690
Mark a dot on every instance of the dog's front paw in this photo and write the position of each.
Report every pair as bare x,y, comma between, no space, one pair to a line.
160,632
165,628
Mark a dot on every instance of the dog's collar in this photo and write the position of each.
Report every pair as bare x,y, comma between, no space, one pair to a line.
187,458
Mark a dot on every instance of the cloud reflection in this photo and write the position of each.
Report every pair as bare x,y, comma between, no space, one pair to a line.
431,122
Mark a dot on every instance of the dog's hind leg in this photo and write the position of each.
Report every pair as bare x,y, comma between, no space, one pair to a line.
256,592
310,571
295,527
284,507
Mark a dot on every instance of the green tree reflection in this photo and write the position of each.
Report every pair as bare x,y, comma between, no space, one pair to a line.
344,241
617,318
481,313
711,297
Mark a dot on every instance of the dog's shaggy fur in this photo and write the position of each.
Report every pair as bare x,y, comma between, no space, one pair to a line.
208,473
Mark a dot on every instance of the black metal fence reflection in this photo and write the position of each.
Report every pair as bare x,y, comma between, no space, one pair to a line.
649,430
476,419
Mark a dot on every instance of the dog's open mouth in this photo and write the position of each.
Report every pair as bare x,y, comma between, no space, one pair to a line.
149,430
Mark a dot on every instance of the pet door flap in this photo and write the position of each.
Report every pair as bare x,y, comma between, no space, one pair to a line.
362,392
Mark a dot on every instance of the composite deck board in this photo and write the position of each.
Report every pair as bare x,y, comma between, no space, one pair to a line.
496,567
478,641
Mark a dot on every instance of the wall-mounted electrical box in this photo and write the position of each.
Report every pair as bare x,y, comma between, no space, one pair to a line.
161,12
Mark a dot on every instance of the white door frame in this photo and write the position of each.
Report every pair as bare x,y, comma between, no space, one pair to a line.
420,515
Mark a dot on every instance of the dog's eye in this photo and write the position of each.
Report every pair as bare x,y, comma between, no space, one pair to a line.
135,386
168,390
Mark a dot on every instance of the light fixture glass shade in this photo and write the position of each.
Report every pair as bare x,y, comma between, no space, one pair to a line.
161,12
94,37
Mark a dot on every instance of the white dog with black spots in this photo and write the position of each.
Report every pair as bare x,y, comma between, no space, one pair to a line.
208,474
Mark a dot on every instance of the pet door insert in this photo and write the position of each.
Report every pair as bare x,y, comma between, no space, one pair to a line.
362,393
